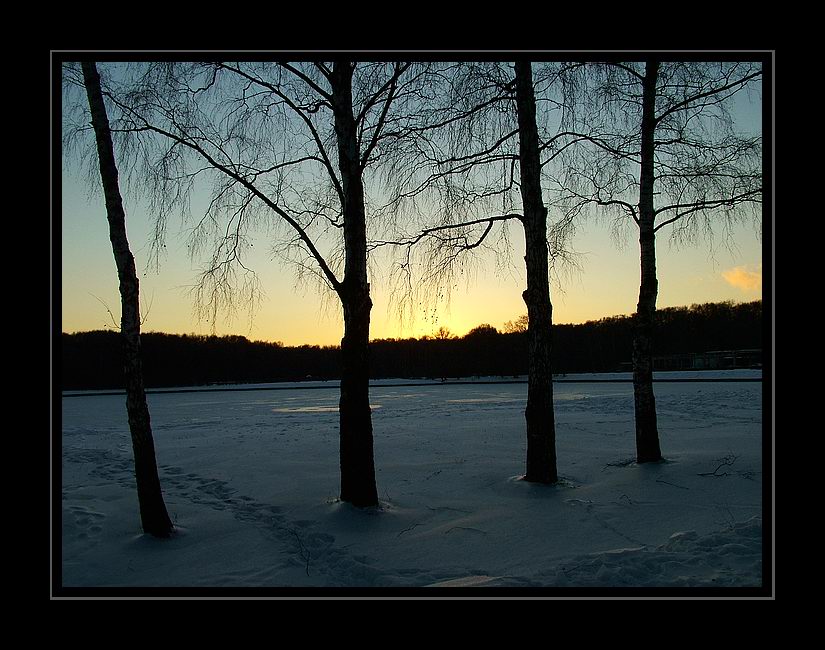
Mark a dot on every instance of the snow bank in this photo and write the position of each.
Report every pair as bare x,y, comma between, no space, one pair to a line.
731,557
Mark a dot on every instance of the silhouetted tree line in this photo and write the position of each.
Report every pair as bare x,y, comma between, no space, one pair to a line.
91,360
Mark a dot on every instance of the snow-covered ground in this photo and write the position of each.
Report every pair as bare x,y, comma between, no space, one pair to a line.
251,481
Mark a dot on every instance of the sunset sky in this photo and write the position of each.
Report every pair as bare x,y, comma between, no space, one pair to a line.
604,284
605,281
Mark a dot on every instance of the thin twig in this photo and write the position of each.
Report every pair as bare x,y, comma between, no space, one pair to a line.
302,550
408,529
111,315
727,461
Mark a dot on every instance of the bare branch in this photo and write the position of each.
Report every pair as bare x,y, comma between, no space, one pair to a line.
718,91
627,69
145,315
727,461
326,95
330,276
323,69
302,114
700,162
390,87
111,315
437,229
685,209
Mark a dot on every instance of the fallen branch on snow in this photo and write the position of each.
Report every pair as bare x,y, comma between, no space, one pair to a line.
478,530
727,461
302,550
407,529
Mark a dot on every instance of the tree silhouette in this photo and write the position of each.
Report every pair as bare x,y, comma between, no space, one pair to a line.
90,359
517,326
486,155
285,148
153,515
485,330
663,150
541,426
443,334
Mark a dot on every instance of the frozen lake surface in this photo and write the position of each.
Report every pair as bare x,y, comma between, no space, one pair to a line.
251,480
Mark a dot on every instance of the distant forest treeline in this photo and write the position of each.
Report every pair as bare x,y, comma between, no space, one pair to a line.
92,360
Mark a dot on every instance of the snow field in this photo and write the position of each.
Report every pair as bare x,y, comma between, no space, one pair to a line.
251,479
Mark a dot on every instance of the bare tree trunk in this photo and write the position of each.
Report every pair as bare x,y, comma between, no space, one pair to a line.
153,515
647,433
357,461
541,429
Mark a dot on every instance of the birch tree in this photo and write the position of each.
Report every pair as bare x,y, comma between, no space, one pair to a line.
483,166
286,149
153,514
663,150
539,414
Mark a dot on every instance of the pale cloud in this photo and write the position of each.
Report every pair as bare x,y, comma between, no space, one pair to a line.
744,278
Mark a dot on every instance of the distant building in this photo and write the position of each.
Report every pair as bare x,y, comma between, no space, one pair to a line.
712,360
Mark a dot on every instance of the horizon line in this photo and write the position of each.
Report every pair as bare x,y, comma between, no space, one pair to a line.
429,336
